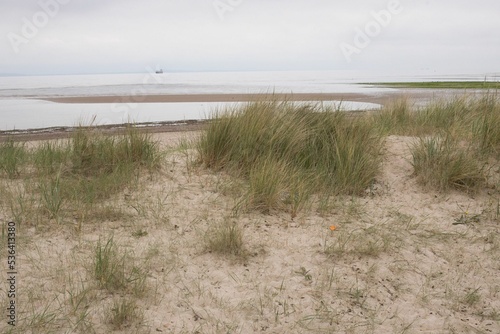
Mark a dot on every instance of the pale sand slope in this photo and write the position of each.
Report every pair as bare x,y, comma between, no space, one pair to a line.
421,274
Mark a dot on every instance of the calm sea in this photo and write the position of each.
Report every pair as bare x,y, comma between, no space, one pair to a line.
22,105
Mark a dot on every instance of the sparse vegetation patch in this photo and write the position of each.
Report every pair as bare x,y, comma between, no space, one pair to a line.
73,177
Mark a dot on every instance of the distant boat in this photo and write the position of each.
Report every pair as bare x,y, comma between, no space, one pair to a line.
160,71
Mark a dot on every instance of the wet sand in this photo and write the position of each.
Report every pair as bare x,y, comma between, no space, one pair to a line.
193,125
356,97
65,132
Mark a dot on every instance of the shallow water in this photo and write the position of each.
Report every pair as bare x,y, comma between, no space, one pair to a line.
22,114
19,108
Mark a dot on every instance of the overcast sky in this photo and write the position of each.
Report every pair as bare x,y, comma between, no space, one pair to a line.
121,36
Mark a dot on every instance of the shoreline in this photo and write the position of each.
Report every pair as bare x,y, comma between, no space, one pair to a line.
374,97
193,124
61,132
172,98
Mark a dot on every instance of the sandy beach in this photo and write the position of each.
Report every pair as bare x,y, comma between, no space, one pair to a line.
356,97
423,274
400,259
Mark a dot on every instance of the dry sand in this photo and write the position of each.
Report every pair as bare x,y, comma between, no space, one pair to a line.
395,263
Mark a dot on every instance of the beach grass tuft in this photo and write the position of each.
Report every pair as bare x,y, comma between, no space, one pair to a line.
123,313
50,190
468,116
395,117
400,117
443,163
289,151
51,157
109,266
226,238
96,154
77,174
486,125
12,157
114,270
458,138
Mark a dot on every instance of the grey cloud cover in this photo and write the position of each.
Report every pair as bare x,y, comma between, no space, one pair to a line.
433,36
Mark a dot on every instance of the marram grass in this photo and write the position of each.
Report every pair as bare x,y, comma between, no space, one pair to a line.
288,152
475,118
457,137
442,163
75,175
12,158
